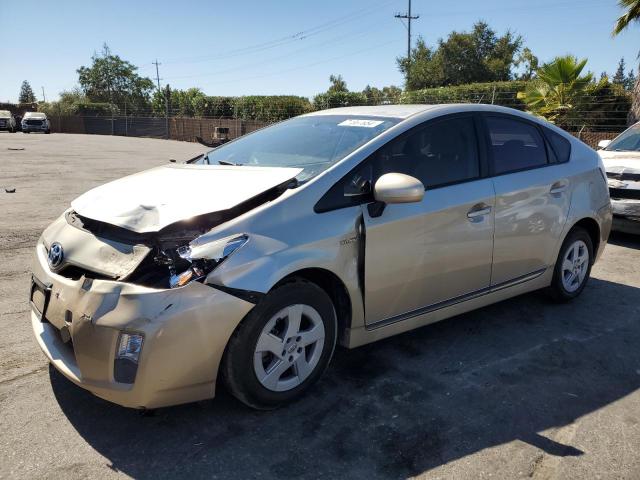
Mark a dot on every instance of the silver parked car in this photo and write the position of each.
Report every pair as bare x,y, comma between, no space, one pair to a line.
342,226
35,122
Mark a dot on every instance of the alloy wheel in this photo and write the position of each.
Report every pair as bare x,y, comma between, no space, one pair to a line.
289,347
575,265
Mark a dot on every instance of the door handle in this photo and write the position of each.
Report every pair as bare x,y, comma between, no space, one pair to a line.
479,211
558,187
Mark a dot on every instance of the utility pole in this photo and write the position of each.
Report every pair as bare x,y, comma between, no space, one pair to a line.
167,94
44,99
408,17
157,72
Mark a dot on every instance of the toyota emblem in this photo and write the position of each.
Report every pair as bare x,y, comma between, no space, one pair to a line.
55,255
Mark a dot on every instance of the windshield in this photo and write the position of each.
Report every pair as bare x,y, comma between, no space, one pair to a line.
312,143
628,141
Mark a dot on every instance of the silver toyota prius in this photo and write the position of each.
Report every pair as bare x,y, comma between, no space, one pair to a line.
345,226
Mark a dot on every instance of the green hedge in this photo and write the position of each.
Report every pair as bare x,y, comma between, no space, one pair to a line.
270,108
339,99
498,93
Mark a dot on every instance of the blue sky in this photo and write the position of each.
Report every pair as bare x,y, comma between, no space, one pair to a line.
247,47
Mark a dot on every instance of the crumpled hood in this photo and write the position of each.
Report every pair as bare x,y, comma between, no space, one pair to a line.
620,159
150,200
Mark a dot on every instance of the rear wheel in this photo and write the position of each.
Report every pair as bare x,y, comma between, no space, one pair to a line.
573,266
282,347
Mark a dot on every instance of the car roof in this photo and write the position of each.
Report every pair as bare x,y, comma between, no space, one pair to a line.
388,111
35,114
402,112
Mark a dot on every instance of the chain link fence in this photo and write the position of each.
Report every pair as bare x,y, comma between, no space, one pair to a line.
593,120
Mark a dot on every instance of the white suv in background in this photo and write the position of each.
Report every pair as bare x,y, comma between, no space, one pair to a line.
35,122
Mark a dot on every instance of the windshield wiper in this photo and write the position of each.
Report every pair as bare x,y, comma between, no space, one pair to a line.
227,162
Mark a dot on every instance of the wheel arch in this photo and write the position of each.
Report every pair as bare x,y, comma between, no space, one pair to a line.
593,229
334,287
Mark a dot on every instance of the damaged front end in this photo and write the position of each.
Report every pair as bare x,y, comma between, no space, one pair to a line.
162,259
624,190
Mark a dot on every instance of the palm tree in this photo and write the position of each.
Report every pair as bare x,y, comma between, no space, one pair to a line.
632,14
558,90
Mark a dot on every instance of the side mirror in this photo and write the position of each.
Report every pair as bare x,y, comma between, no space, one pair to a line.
398,188
603,144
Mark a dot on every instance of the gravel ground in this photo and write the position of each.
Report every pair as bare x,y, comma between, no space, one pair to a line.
521,389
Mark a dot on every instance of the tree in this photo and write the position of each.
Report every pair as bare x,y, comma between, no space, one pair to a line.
464,57
529,64
337,84
632,14
558,91
114,80
387,95
630,80
619,77
26,93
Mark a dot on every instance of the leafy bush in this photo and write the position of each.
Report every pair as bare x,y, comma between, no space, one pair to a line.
498,93
336,99
270,108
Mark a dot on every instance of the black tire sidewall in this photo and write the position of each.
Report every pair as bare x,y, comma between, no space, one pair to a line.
557,286
239,371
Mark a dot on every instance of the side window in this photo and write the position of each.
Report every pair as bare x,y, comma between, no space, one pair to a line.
515,145
440,153
560,145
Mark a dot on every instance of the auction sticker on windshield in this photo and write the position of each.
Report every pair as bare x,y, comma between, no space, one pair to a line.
358,122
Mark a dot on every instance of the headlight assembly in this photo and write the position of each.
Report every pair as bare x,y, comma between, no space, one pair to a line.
203,259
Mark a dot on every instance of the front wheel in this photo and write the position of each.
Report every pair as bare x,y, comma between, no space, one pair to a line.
282,347
573,266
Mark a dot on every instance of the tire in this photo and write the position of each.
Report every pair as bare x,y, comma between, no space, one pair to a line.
572,268
255,369
47,132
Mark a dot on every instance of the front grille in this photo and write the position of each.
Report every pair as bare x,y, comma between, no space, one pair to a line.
34,122
629,193
74,272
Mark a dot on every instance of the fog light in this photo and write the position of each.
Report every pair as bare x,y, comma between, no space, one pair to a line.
125,365
129,346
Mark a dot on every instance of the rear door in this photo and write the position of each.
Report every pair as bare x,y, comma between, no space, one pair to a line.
421,255
533,195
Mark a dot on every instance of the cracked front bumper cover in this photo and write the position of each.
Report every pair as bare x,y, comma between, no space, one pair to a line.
185,333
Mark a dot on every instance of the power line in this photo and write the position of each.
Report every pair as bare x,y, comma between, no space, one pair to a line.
408,17
271,60
301,35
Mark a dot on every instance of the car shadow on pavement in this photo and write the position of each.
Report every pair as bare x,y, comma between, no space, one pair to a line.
398,407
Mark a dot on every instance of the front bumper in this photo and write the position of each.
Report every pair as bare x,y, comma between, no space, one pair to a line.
35,128
626,215
185,333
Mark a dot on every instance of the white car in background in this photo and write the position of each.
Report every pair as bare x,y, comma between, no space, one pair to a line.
6,121
621,158
35,122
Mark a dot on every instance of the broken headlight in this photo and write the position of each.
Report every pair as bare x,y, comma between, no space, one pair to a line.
202,259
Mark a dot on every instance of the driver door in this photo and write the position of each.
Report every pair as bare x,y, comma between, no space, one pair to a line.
422,256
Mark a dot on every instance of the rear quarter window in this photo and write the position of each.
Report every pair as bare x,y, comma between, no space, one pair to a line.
560,145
